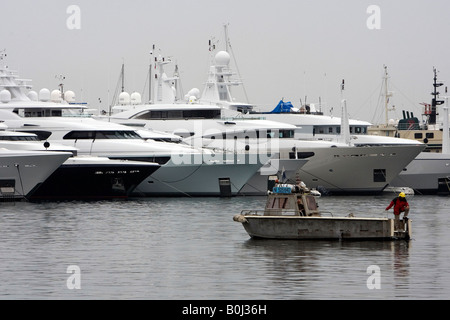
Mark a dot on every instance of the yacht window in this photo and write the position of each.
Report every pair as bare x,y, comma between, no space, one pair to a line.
286,134
301,155
19,138
116,134
176,114
41,135
379,175
75,135
201,114
429,135
330,130
159,160
144,115
179,114
418,135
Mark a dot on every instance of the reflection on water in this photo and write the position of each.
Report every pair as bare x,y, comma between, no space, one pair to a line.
190,248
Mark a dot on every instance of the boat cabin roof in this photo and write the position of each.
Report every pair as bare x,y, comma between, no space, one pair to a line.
291,200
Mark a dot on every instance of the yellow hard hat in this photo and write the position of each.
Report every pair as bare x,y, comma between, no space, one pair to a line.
402,195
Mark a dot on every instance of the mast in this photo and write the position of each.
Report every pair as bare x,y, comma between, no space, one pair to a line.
386,98
387,95
229,48
445,131
435,102
122,73
226,37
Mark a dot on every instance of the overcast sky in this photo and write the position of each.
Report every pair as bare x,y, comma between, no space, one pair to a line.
288,49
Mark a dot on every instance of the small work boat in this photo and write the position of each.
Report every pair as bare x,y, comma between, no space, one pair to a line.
292,212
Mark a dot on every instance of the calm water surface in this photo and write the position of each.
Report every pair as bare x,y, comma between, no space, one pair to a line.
190,248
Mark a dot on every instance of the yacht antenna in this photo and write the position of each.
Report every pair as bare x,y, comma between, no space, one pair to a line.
123,76
445,137
150,76
225,26
3,54
386,96
228,46
61,79
121,79
148,79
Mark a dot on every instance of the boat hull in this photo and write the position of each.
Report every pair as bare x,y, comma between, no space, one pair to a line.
424,172
81,180
374,168
197,180
22,172
322,228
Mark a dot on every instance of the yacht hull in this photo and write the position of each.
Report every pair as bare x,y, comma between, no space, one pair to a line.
205,179
78,179
21,172
424,172
357,170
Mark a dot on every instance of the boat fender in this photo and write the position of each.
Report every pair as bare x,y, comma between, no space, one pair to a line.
240,218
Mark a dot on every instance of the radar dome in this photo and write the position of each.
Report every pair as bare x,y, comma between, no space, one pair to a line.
391,122
56,96
44,95
69,96
5,96
124,98
32,95
136,98
222,58
194,92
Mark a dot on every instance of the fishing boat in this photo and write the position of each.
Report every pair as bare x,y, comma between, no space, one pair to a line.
291,212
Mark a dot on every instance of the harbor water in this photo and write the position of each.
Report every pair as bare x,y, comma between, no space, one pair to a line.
190,248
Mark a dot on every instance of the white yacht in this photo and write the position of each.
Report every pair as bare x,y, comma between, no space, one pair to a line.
313,125
184,171
80,177
429,172
22,172
330,164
